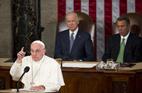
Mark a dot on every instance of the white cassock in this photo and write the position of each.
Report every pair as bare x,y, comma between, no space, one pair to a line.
46,72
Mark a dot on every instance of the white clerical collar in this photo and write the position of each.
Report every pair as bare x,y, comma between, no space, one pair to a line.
75,32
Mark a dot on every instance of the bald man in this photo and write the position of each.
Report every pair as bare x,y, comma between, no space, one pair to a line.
44,74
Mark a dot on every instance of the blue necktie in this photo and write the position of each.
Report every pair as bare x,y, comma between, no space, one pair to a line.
71,41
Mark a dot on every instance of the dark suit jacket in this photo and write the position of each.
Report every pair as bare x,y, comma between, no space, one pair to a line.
132,52
82,48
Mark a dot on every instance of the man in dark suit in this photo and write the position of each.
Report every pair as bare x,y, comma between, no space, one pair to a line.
132,44
73,44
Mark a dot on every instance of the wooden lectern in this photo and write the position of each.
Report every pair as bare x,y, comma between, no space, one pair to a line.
87,80
21,91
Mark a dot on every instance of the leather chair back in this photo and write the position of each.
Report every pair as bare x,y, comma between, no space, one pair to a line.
135,23
85,24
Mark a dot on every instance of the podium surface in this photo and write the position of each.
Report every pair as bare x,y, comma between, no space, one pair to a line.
22,91
88,80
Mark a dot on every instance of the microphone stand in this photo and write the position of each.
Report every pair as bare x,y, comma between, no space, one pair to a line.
26,69
17,84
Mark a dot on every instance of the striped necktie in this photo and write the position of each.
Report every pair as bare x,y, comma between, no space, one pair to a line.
121,52
71,41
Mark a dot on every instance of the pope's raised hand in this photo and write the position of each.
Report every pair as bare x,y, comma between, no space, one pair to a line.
20,55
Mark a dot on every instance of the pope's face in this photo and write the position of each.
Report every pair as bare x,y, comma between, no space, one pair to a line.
37,51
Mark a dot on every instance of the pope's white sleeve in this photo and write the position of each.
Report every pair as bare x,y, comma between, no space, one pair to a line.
15,71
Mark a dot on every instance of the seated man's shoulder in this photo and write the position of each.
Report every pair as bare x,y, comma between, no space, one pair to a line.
63,32
84,34
114,36
135,38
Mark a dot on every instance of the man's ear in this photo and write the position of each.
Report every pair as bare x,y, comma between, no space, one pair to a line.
44,52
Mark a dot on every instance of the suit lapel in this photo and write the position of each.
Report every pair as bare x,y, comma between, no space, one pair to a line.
129,40
126,46
128,43
67,40
117,45
75,44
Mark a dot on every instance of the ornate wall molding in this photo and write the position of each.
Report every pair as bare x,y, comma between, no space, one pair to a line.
26,24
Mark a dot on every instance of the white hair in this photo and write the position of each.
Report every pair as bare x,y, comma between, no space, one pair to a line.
39,42
74,14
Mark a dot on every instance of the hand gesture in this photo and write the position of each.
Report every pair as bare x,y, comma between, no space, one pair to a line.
20,55
38,88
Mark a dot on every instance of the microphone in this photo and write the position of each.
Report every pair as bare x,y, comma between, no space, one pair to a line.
26,69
